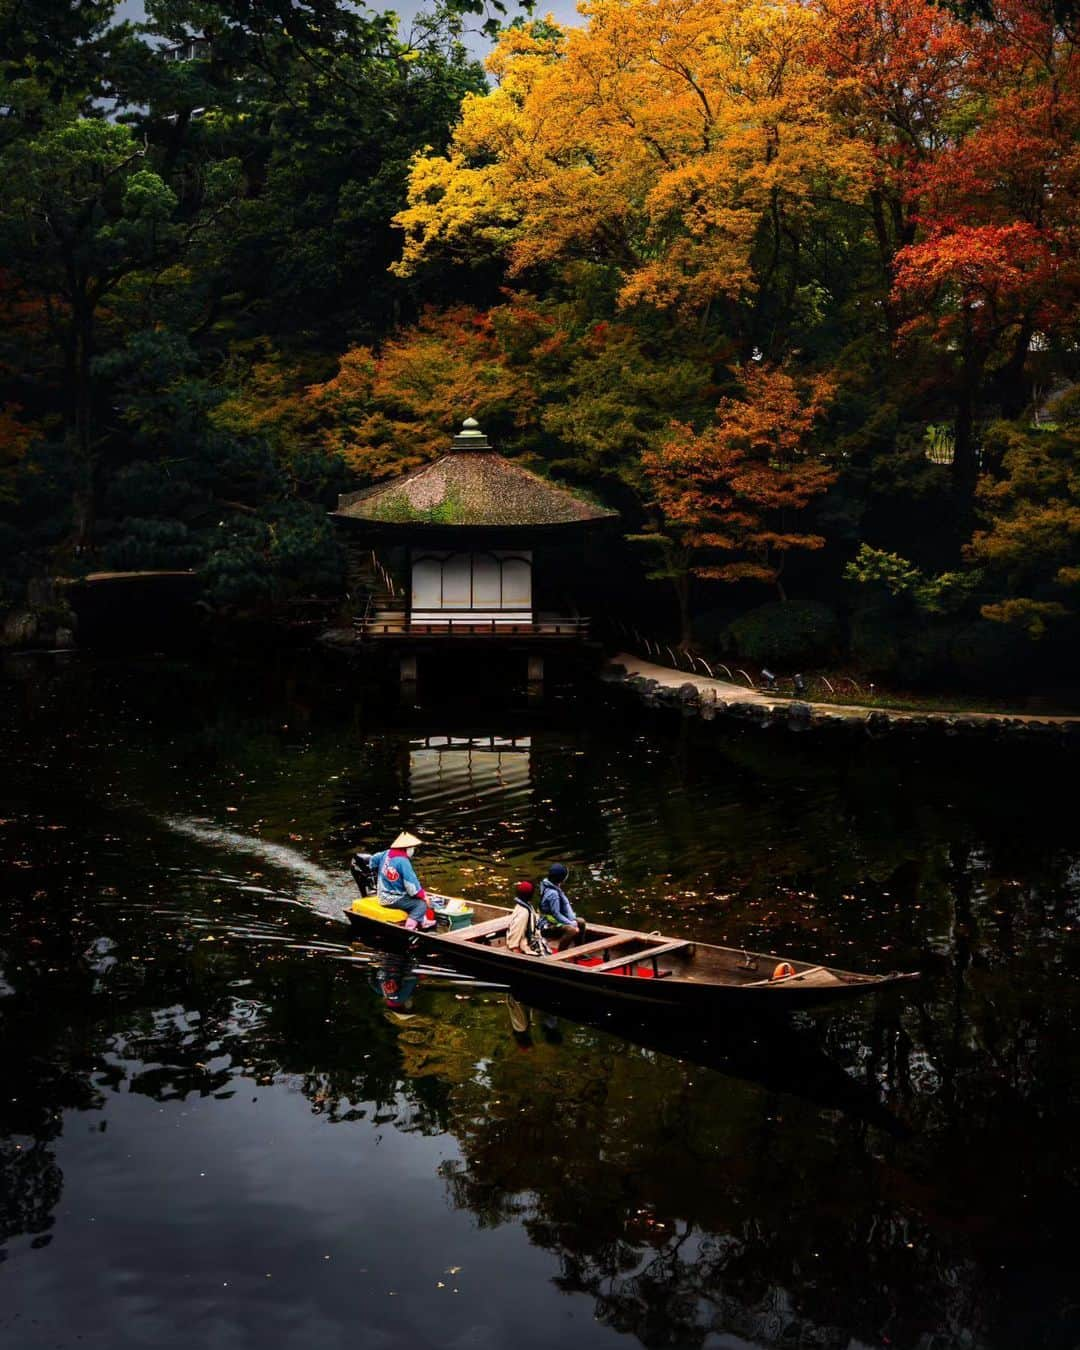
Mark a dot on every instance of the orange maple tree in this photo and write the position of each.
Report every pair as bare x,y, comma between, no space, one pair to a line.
390,411
729,494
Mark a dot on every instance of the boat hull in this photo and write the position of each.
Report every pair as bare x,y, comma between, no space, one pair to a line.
696,999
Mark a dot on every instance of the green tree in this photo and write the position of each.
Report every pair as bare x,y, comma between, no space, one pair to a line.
1030,544
83,214
324,108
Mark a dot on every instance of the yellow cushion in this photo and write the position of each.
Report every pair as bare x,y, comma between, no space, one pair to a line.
370,908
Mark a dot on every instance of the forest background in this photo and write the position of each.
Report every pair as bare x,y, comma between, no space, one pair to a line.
794,286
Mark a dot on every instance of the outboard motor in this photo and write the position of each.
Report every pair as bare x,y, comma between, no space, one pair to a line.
360,867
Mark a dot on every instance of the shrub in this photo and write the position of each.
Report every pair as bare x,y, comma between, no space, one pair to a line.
875,636
797,632
990,655
910,650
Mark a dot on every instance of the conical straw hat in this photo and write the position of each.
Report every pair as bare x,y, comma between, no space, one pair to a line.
405,840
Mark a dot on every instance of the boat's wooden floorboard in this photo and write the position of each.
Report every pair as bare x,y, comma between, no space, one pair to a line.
695,963
587,948
649,954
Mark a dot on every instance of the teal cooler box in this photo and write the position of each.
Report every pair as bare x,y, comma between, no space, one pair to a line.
451,919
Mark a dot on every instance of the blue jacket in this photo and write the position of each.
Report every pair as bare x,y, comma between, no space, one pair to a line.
394,877
555,904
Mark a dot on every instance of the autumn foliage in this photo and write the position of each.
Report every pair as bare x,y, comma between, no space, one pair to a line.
650,252
734,491
392,410
658,136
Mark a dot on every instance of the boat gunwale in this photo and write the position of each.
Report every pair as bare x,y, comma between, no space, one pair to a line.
459,940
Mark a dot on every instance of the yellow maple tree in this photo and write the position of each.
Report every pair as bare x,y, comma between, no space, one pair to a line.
662,138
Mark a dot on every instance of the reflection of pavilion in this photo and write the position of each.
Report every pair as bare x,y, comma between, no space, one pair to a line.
469,771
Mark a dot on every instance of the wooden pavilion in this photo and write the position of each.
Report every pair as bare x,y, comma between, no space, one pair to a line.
470,549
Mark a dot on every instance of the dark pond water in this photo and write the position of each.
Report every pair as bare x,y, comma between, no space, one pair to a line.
214,1131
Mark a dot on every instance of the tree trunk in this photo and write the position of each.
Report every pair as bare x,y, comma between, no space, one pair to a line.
778,570
681,581
1013,392
886,252
84,497
965,469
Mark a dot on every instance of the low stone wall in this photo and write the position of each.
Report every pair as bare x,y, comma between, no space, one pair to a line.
44,621
659,686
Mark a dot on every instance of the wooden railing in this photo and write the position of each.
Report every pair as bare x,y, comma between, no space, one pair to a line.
374,627
682,658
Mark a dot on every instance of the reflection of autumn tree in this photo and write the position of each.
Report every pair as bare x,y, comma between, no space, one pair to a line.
30,1188
827,849
683,1200
687,1205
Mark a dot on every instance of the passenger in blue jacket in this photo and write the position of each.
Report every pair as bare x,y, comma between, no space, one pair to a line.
396,884
558,922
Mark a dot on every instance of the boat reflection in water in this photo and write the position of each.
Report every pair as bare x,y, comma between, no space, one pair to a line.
491,775
395,978
778,1057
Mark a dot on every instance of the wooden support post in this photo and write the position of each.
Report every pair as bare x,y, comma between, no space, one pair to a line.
535,689
407,667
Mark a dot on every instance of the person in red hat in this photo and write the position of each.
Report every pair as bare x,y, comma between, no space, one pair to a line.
523,935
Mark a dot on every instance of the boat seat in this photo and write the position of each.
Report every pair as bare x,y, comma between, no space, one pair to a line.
480,930
649,954
370,908
586,948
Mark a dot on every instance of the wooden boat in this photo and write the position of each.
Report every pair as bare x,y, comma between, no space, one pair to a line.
630,968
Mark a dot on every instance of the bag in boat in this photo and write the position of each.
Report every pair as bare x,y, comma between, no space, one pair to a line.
524,933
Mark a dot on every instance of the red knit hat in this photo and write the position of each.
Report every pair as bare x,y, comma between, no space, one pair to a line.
524,889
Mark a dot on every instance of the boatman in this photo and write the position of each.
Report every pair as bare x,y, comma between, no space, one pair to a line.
558,922
396,884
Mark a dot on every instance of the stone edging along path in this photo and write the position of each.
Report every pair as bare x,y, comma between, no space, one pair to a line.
714,698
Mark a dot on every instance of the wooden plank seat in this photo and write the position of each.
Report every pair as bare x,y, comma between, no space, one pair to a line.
587,948
480,930
649,954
